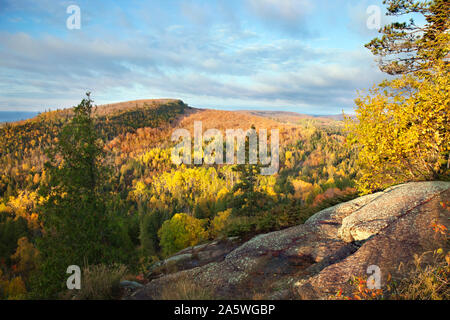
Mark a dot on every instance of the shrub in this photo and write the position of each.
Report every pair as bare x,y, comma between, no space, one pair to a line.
240,226
219,223
402,132
180,232
13,289
428,279
26,256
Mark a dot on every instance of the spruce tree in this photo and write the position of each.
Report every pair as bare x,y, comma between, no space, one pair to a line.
247,197
78,225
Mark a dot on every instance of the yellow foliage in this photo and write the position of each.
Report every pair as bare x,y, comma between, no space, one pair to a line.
23,206
219,223
189,186
402,130
14,289
302,188
26,256
180,232
222,193
266,184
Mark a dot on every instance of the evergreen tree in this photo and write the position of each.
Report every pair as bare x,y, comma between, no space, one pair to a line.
405,47
246,199
79,227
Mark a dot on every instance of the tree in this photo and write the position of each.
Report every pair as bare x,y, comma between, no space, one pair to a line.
26,257
246,196
150,222
402,125
11,230
406,47
80,227
180,232
219,223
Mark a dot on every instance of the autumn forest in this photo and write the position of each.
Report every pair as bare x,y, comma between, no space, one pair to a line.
95,186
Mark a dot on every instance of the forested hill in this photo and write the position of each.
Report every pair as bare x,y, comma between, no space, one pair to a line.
150,192
22,143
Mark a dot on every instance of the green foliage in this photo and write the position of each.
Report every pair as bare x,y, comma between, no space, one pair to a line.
138,188
246,196
406,47
11,230
129,120
151,222
240,226
219,223
80,227
180,232
26,257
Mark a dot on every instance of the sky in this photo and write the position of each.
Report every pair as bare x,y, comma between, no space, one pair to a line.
305,56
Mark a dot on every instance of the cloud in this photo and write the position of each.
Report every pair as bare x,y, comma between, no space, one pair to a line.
283,71
199,14
288,10
359,16
287,15
226,62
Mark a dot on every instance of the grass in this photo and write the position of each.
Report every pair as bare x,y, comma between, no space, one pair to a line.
428,280
99,282
184,288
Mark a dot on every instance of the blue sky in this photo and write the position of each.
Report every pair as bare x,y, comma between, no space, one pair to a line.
296,55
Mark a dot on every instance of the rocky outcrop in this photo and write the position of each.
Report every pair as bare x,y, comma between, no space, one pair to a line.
315,259
193,257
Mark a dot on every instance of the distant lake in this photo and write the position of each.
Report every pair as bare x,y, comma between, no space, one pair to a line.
8,116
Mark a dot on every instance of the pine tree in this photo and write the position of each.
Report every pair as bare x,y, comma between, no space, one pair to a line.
405,47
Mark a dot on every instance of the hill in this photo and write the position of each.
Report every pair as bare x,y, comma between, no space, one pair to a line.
295,118
149,191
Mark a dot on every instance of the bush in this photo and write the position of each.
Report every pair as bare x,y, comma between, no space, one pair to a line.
240,226
13,289
428,279
11,230
402,131
26,256
180,232
219,223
